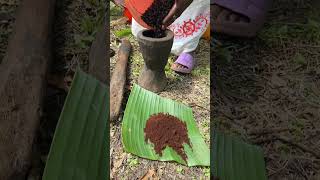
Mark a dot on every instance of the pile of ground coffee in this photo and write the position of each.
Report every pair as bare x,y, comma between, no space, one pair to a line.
165,130
155,14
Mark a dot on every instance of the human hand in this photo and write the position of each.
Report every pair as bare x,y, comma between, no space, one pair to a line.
176,10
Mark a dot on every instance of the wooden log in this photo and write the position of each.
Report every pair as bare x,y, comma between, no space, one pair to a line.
118,80
99,55
22,77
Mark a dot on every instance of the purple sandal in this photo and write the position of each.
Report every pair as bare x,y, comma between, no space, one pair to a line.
254,10
185,59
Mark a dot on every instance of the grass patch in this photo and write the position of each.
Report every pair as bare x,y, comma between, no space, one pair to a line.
136,64
115,11
90,23
123,33
276,33
133,161
206,172
307,30
299,59
201,71
179,170
223,55
169,72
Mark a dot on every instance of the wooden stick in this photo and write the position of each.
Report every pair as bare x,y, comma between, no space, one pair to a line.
118,80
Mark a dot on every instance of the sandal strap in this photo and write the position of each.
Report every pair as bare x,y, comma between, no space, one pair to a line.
185,59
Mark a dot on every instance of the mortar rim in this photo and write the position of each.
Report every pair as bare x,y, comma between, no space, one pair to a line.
169,36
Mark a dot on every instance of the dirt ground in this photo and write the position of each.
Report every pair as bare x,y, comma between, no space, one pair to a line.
192,90
76,23
266,89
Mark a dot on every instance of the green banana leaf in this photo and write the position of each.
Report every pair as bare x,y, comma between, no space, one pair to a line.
234,159
79,149
140,106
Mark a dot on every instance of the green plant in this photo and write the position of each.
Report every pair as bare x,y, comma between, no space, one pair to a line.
133,161
123,32
80,139
201,71
223,55
277,33
206,172
234,159
83,41
299,59
179,170
90,23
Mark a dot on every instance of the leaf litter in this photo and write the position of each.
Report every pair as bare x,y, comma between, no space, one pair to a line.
268,89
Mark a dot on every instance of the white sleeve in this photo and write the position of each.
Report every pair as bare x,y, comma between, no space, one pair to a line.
136,27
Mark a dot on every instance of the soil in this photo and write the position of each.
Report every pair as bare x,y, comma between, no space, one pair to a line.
266,89
70,26
22,70
155,14
165,130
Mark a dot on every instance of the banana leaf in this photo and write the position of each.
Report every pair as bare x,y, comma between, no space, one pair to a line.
141,105
79,149
234,159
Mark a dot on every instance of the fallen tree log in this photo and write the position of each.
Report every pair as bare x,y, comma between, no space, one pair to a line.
22,77
118,80
99,55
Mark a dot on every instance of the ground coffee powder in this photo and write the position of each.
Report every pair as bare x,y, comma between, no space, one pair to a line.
165,130
155,14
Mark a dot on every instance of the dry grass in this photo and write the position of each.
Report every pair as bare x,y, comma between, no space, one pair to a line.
272,82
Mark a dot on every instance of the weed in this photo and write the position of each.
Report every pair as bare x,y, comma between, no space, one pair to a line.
223,55
90,23
83,41
201,71
299,59
179,170
133,161
137,64
284,149
277,33
297,127
206,172
115,10
169,72
123,33
206,124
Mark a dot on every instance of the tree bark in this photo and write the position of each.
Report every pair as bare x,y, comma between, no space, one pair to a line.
99,55
22,77
118,80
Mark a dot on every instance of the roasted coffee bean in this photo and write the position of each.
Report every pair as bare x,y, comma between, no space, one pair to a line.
155,14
